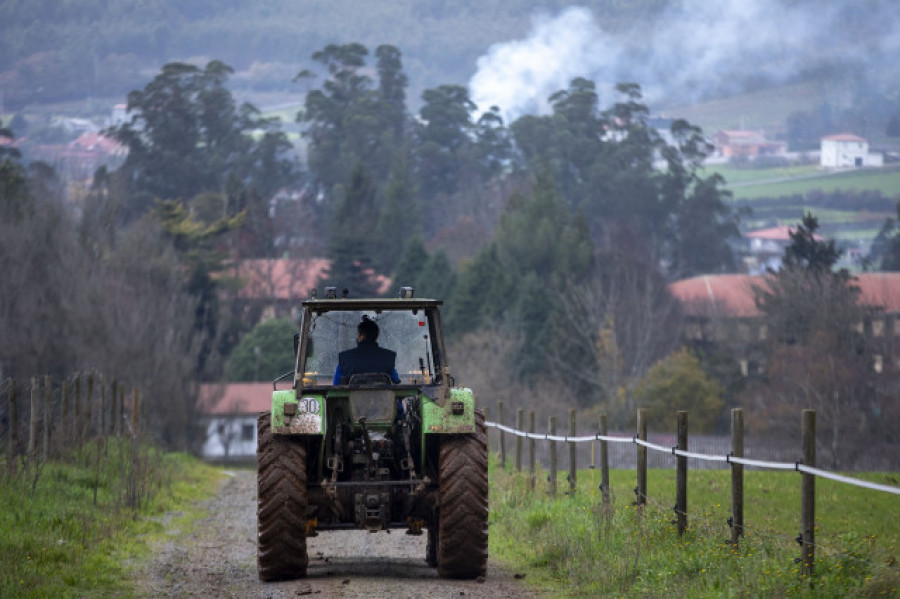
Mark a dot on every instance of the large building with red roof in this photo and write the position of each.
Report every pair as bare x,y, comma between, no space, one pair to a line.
722,309
273,287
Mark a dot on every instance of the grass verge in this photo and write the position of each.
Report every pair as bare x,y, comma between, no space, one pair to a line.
74,528
575,546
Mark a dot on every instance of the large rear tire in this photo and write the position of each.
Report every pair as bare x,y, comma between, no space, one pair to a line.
462,539
281,511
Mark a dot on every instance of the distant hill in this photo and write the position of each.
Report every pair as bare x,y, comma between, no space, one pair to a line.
63,51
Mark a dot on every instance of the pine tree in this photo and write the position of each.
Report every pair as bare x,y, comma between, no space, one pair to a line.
399,219
350,246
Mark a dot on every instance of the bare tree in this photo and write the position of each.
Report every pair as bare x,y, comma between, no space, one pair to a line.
610,330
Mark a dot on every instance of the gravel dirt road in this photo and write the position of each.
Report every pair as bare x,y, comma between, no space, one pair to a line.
218,559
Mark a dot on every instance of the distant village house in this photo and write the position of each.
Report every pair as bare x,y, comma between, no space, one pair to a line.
766,248
846,150
747,144
230,412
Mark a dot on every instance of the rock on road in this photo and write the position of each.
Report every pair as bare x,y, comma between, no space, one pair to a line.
218,559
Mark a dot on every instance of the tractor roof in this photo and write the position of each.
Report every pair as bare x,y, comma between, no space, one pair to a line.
333,305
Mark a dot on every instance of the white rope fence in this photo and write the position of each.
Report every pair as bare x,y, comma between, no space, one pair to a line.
796,466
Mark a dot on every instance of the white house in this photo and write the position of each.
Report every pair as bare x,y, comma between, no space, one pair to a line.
230,411
766,248
846,150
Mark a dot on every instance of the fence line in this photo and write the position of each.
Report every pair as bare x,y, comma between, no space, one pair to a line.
58,417
729,459
735,460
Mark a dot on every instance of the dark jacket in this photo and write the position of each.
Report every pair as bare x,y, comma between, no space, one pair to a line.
367,356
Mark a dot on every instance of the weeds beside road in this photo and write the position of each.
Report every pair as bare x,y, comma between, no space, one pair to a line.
74,528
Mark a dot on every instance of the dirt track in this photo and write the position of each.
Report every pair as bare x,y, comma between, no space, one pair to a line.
219,560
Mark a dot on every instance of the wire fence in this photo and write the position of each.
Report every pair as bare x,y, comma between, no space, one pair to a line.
724,460
735,459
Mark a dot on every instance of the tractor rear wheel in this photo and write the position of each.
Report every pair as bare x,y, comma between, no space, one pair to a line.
281,511
462,539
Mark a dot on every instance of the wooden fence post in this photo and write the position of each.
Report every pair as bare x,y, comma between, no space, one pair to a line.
120,410
13,426
681,475
604,462
808,510
552,478
135,411
32,419
502,435
113,400
573,454
102,412
48,389
737,475
531,481
76,412
64,409
487,429
520,418
641,457
88,416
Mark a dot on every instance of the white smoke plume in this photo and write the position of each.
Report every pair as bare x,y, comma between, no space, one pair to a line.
693,49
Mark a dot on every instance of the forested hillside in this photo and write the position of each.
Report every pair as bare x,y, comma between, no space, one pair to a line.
54,51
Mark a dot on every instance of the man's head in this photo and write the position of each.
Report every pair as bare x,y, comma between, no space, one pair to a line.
367,330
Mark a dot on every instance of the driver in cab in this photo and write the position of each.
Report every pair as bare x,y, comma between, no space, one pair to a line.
366,357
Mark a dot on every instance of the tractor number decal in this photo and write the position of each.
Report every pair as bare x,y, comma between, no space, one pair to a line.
307,421
308,405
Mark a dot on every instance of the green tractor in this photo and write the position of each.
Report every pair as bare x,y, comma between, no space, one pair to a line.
370,453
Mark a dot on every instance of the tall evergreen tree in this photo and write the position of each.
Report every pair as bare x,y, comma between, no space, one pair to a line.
444,138
186,136
816,357
412,264
350,246
399,219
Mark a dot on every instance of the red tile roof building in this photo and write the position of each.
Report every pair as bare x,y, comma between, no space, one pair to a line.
721,309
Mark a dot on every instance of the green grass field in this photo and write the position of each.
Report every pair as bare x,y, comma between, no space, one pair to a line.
573,546
60,539
885,180
741,176
772,195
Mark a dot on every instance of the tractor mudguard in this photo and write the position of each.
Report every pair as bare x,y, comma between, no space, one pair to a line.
297,416
457,415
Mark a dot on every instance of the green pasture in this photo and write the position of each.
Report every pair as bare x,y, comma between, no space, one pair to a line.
885,180
743,176
573,546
